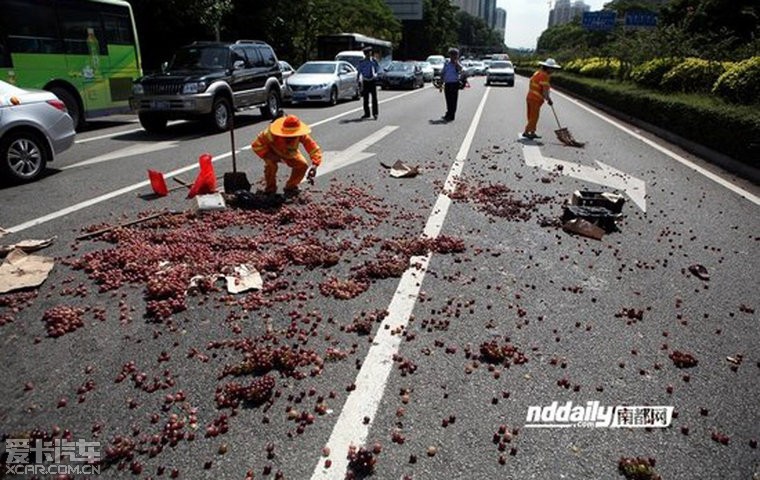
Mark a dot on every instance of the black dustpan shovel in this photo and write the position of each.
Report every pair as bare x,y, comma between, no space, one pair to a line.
234,180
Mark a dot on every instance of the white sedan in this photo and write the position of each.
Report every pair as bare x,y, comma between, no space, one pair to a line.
327,81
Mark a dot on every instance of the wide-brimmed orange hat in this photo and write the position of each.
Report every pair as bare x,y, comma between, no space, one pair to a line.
290,126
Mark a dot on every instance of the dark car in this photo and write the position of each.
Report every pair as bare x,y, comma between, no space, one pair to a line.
402,75
210,80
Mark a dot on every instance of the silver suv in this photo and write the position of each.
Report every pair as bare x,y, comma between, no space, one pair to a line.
210,80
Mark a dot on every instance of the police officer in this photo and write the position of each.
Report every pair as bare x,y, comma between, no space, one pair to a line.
368,72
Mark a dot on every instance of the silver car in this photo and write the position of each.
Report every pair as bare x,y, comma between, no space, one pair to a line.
34,127
327,81
501,71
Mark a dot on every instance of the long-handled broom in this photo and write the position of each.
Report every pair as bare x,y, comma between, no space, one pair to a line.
563,134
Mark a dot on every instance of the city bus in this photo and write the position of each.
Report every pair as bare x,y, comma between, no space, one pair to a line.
329,46
84,51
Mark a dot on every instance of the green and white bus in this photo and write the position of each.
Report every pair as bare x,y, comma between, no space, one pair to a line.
84,51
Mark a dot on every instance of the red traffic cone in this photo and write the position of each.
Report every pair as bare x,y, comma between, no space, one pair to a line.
157,183
206,180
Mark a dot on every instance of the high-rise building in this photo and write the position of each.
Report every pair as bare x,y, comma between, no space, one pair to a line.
501,22
469,6
565,12
488,12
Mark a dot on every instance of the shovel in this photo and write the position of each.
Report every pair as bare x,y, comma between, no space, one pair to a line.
234,180
563,134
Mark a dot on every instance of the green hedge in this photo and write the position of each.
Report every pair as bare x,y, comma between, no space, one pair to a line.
730,129
740,83
692,75
649,74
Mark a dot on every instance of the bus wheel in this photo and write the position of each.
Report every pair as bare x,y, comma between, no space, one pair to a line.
23,156
152,122
72,106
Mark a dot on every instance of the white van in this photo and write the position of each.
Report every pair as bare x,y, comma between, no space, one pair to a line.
351,56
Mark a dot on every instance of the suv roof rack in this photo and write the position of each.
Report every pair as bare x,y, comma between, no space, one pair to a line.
204,42
259,42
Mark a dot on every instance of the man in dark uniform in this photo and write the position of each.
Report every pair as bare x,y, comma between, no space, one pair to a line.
368,71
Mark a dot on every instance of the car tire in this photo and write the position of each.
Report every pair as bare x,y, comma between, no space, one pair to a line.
273,107
488,82
221,114
333,96
72,106
24,154
152,122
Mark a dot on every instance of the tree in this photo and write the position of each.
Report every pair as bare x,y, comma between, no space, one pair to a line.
475,36
210,13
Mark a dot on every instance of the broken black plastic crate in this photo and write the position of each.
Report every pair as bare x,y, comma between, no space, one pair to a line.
587,198
600,216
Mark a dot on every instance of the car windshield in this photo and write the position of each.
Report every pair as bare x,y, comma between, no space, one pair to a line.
400,67
501,64
317,68
423,64
193,58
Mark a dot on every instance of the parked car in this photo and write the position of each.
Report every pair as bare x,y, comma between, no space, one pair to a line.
501,71
437,62
34,128
287,71
427,71
402,75
210,80
324,81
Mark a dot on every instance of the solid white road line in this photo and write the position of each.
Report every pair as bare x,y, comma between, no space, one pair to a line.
678,158
364,400
101,198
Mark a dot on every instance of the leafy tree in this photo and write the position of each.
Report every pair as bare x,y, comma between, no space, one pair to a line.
475,36
439,25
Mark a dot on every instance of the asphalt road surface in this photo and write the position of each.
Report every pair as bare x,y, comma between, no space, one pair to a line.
442,326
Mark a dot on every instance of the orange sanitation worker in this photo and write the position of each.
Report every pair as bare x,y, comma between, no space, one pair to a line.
537,93
280,143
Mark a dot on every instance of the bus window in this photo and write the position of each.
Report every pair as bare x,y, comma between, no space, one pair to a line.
39,36
76,24
118,29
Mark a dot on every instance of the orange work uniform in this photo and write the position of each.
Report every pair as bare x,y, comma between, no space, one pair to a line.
539,86
274,148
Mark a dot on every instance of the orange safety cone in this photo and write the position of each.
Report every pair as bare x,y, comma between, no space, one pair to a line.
157,183
206,180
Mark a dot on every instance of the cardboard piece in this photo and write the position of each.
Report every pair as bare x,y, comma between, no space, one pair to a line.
245,278
20,270
583,227
26,246
402,170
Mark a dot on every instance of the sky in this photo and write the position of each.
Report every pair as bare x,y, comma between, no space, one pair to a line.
526,19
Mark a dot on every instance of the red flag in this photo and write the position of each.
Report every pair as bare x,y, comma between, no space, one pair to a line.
206,180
